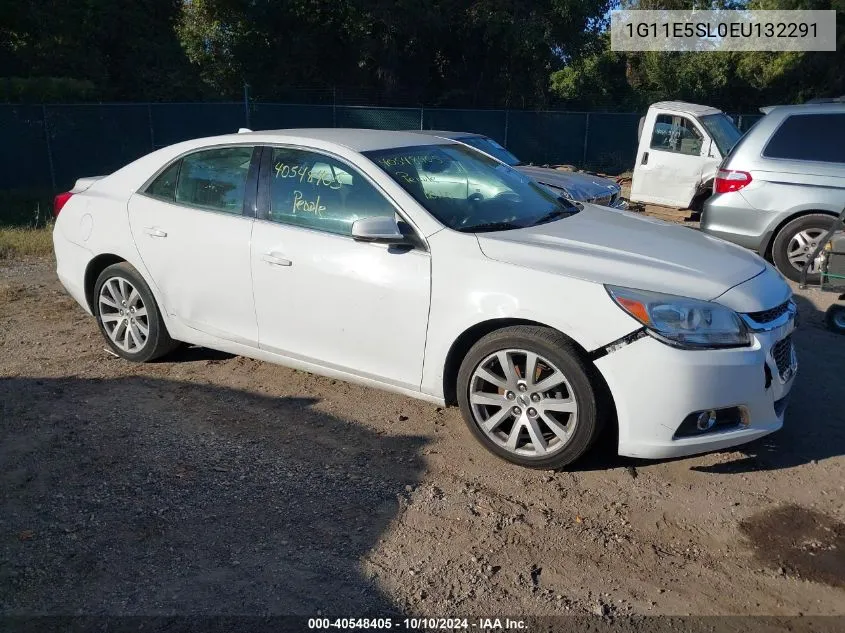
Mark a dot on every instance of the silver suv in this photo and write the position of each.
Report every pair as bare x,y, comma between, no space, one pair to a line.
780,187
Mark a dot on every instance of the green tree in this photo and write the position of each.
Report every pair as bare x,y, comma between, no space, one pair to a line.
734,81
124,49
436,52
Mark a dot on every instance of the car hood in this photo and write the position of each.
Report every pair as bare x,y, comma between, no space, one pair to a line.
579,185
625,249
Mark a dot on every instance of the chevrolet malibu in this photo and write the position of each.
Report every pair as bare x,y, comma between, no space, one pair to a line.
422,266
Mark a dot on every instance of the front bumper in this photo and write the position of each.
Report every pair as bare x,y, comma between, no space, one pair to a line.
655,387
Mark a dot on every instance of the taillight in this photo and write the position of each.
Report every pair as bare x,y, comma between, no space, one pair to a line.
728,180
60,201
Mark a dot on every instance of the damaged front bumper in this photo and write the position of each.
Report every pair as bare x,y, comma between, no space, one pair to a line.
658,389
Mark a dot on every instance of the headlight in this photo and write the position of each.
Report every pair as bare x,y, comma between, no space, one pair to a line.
683,322
557,190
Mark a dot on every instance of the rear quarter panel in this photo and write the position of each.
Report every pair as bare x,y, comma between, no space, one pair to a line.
95,222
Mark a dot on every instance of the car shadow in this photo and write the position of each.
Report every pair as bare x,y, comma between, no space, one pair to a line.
193,353
814,425
140,496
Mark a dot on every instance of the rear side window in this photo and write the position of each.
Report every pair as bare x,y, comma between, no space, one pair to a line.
215,179
164,187
816,137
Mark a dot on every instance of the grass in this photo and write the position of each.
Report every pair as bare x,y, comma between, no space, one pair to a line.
21,242
26,207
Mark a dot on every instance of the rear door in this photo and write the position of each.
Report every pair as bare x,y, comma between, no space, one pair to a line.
192,226
672,155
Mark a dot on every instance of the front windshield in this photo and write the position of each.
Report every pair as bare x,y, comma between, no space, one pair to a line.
723,131
489,146
468,191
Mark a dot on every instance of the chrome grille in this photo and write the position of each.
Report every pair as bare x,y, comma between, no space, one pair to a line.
603,201
766,316
782,355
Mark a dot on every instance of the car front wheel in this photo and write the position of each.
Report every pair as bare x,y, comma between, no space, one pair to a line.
527,396
128,316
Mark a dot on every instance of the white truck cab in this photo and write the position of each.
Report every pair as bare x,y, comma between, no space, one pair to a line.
680,148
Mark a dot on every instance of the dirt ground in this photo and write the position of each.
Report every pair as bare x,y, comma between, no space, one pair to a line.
206,483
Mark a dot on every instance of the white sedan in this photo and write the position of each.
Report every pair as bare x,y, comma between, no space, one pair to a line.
419,265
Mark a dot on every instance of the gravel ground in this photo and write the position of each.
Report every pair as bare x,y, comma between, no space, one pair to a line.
212,484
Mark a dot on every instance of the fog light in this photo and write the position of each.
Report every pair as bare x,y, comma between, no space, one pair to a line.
706,420
713,421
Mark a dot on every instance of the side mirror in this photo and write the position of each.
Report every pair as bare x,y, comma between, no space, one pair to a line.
379,228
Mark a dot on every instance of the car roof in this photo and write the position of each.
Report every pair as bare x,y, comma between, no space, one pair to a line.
694,109
806,108
448,134
358,140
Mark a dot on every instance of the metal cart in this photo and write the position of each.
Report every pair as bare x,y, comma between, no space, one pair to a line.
830,254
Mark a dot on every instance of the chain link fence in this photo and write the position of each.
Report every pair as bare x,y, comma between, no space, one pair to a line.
47,147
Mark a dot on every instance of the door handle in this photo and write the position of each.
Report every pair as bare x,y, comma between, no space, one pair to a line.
644,161
275,260
154,232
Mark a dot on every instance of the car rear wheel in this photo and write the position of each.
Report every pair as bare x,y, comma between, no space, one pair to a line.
527,397
128,316
795,243
835,318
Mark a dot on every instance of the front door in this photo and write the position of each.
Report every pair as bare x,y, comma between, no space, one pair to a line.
671,158
321,296
193,237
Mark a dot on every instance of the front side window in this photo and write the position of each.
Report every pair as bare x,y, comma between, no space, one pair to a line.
318,192
816,137
215,179
676,134
469,191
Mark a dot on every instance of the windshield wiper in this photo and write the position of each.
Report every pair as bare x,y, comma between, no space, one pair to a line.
554,215
489,226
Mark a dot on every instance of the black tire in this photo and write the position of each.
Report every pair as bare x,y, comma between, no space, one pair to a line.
158,341
557,349
835,318
780,247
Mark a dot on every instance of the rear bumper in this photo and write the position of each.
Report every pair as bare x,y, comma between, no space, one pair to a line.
71,263
729,216
655,387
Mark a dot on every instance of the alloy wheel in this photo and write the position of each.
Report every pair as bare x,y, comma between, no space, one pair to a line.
802,245
523,403
124,315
